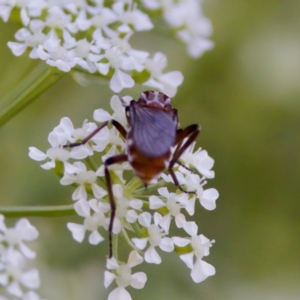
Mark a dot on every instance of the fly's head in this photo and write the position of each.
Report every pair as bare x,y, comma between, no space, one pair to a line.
155,99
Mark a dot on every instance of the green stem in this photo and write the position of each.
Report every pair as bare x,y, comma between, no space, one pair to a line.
130,243
115,246
132,185
140,197
136,228
91,163
37,211
150,189
27,90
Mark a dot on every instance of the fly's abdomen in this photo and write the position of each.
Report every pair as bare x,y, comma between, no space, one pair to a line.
147,168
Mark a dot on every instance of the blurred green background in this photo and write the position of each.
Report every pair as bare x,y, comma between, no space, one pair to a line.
246,95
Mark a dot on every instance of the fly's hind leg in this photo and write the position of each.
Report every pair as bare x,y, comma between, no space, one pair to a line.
110,161
191,133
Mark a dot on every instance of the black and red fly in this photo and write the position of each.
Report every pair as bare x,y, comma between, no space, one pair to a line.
151,135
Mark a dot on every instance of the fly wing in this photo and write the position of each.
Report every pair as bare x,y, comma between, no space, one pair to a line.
153,130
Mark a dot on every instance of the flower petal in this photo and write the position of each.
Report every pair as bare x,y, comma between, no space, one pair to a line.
208,199
180,242
140,243
101,115
26,251
82,208
95,238
120,80
138,280
119,294
26,230
31,279
77,230
98,191
108,278
188,259
134,259
202,270
166,244
36,154
155,202
151,256
191,228
145,219
17,48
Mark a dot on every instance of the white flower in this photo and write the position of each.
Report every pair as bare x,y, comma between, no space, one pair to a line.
92,222
53,32
196,29
31,295
13,276
97,143
133,59
118,169
115,58
167,82
199,159
101,115
83,177
82,50
6,7
200,245
100,19
192,27
17,280
56,55
57,18
121,274
132,16
174,203
28,38
208,198
53,154
23,231
155,238
126,208
193,182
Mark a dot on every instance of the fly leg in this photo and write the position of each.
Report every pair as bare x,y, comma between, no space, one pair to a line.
119,127
191,133
110,161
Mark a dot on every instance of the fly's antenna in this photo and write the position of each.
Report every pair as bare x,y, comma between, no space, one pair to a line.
122,100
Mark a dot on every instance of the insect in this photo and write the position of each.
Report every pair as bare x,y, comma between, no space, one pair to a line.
151,135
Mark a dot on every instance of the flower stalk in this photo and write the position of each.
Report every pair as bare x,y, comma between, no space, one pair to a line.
37,211
27,90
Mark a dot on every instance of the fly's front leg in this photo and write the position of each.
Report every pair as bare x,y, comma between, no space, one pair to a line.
110,161
119,127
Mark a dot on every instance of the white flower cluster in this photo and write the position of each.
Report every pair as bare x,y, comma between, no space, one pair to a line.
93,36
186,18
144,217
19,283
